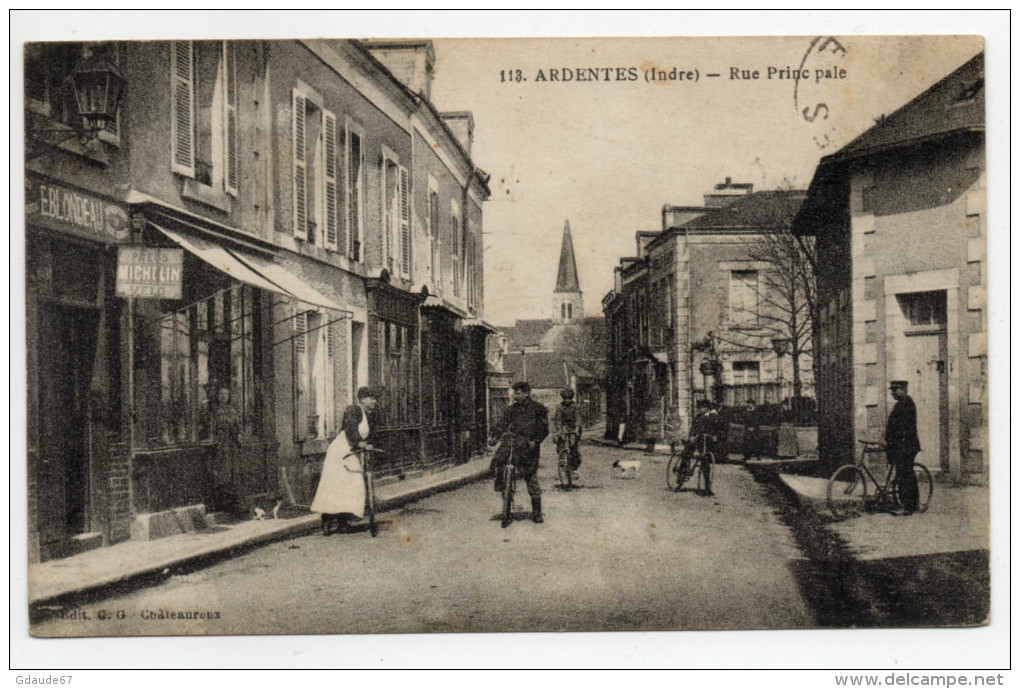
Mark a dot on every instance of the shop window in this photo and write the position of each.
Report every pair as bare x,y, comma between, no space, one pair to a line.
744,297
395,356
315,384
315,171
200,348
204,113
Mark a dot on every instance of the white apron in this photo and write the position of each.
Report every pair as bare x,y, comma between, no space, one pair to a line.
342,484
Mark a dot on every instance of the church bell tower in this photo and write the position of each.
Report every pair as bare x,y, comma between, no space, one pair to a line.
568,305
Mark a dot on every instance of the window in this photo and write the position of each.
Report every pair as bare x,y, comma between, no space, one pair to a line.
399,392
397,216
315,358
924,308
315,171
204,113
354,188
456,251
470,266
210,344
744,297
746,373
432,218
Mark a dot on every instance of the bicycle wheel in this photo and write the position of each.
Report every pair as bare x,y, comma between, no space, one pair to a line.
673,472
373,527
847,491
925,488
563,469
508,495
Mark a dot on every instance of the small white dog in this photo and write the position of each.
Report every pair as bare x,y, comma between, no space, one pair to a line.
629,468
259,512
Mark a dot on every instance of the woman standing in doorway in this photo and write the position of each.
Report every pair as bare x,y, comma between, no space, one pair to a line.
341,493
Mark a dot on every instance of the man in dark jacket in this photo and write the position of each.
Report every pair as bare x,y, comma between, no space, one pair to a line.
528,422
902,445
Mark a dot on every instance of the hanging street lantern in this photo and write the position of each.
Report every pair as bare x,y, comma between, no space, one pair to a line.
97,87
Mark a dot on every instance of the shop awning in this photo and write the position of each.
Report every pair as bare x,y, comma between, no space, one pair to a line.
288,280
249,268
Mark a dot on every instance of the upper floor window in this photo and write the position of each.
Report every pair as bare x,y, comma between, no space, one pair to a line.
432,229
315,170
204,113
746,373
457,250
355,188
743,297
397,215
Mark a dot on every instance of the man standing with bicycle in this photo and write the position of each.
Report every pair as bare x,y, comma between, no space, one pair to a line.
528,422
567,424
902,445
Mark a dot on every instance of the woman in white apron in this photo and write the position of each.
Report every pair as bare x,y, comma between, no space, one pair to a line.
341,492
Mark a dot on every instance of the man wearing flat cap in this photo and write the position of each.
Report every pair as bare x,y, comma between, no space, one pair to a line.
528,422
902,445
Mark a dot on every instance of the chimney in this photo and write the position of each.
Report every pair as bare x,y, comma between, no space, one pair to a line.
462,124
410,61
727,192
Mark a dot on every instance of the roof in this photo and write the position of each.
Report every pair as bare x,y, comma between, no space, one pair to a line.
953,107
751,212
955,103
544,369
526,333
566,277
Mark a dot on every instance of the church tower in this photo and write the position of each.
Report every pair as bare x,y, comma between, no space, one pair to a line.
568,306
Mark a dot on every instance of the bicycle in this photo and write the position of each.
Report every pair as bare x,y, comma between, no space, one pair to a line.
847,493
679,472
366,473
509,487
567,448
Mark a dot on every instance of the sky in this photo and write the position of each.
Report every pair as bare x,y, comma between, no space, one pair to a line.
607,155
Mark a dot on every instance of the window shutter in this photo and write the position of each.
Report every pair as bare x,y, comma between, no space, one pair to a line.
230,118
300,375
355,156
183,112
330,192
300,169
405,224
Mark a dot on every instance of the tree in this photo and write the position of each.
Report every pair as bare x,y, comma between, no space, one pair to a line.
786,291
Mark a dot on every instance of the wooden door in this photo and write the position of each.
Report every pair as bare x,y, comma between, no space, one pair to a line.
928,386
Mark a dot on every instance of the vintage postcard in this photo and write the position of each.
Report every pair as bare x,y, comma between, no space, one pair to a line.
412,335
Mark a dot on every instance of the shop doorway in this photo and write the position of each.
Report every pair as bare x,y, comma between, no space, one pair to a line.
67,345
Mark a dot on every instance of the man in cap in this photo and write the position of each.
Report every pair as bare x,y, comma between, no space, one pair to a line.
902,445
567,426
528,423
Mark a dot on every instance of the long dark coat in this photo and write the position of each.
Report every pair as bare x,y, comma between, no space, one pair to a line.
529,421
901,441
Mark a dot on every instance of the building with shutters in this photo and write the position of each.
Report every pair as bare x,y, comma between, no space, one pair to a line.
891,312
250,220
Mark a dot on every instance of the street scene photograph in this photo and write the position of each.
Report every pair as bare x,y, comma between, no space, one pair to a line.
425,335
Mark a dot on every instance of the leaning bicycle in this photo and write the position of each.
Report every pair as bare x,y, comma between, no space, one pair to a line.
849,493
687,461
364,456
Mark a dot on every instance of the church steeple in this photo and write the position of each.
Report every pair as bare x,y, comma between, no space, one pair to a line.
566,278
568,305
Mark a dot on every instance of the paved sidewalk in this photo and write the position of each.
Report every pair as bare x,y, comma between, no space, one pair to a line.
957,520
131,562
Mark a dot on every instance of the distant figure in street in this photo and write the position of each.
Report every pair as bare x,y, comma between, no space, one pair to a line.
902,445
567,428
340,496
752,441
528,422
706,423
224,427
